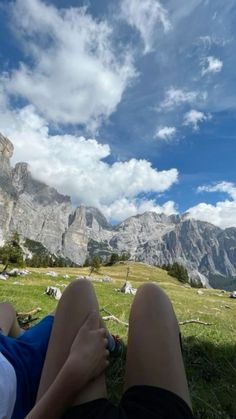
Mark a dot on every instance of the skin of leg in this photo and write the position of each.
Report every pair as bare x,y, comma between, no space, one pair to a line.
77,301
154,355
8,320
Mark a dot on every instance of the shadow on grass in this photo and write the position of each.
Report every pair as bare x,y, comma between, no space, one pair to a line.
211,371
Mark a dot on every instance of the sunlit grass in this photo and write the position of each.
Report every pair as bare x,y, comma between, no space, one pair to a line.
209,351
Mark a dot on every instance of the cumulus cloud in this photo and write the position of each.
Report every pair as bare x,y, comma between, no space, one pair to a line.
75,76
165,133
124,208
227,187
146,16
175,97
76,166
211,65
223,213
194,118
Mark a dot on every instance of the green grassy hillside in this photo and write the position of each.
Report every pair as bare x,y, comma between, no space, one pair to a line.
209,351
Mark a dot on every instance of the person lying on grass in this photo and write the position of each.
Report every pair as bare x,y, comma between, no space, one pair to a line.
22,355
73,379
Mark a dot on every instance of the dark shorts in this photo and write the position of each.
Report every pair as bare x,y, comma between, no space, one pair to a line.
26,353
138,402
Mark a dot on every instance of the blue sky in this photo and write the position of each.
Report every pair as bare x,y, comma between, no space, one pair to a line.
127,105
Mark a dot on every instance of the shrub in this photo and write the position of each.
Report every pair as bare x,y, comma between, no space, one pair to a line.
179,272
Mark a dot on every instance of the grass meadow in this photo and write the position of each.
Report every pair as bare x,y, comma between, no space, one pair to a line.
209,351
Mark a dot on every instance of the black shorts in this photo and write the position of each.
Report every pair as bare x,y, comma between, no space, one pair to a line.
138,402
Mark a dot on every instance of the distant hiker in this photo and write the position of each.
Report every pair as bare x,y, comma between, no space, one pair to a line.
73,381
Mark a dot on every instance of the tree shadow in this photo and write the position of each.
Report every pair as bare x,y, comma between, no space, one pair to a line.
211,371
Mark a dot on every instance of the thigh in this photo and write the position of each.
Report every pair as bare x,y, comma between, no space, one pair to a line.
154,355
77,301
8,322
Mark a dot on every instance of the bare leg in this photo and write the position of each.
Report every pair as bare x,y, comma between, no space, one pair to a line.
154,355
77,301
8,320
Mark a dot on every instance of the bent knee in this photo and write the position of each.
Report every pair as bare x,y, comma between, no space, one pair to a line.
8,307
152,294
79,286
153,301
152,290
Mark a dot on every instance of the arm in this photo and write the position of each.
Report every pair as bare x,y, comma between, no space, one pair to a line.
59,396
87,359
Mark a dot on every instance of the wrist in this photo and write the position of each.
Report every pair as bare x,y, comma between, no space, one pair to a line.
75,374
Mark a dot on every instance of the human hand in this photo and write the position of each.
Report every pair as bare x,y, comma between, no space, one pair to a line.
88,355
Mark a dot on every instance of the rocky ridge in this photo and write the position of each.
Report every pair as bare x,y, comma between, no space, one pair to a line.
40,213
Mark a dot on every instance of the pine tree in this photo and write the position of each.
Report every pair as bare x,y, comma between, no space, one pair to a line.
114,258
96,263
11,253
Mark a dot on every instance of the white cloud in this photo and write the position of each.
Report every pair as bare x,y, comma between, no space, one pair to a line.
124,208
175,97
146,16
212,65
76,76
165,133
227,187
223,213
194,118
75,166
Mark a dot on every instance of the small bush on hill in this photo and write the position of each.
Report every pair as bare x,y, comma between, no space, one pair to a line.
196,283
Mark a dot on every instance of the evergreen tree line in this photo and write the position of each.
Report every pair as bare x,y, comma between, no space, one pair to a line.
95,261
177,271
49,261
12,254
180,272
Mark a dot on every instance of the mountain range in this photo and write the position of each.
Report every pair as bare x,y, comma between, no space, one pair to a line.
38,212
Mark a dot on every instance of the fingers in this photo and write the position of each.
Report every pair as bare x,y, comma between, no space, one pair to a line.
107,361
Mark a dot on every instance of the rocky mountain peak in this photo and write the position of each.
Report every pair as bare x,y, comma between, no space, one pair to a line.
6,152
93,214
20,175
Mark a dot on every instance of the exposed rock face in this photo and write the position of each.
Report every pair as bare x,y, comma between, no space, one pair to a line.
6,152
40,213
204,249
75,238
28,206
199,246
7,192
